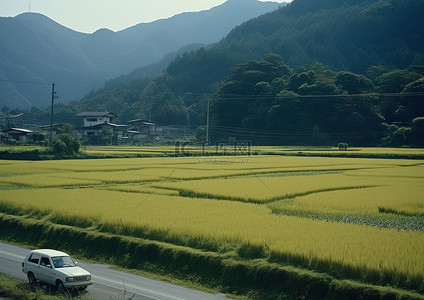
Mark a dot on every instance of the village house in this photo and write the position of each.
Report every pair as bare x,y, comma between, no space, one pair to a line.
142,130
16,134
55,129
98,128
170,131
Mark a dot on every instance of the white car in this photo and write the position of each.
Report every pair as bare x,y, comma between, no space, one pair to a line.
55,268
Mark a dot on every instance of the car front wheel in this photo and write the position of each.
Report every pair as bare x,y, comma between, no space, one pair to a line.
59,286
31,279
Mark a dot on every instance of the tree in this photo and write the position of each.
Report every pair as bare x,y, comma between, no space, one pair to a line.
201,134
354,83
418,131
298,80
343,146
38,137
169,109
65,144
397,136
67,128
395,81
374,72
414,103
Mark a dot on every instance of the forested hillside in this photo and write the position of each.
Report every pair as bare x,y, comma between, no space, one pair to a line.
313,72
343,34
266,101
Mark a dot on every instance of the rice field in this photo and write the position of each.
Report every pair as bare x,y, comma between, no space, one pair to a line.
236,223
264,202
402,199
260,189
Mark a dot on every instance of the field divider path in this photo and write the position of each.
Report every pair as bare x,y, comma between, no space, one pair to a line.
191,194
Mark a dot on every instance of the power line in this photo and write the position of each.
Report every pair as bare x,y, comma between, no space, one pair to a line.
252,97
25,82
44,83
276,97
264,133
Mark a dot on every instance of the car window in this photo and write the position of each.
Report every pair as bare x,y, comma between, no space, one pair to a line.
63,262
45,262
34,258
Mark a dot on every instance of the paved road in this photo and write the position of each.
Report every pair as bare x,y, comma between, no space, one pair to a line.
109,283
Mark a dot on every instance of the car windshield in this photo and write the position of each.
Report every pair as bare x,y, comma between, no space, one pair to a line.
63,262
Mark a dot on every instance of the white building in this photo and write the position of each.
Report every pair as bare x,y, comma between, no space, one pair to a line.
95,118
98,128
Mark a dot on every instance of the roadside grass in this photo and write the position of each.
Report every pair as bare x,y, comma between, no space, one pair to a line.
13,288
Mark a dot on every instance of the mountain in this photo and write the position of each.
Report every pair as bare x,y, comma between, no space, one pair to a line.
35,51
291,73
152,69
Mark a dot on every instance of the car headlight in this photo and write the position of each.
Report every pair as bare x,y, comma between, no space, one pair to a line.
88,277
70,279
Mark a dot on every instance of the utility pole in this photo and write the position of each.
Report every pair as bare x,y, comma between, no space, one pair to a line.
51,116
207,124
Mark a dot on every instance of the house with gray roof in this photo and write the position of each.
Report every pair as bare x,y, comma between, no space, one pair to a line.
98,128
16,134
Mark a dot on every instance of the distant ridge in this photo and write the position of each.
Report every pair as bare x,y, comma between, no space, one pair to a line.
34,48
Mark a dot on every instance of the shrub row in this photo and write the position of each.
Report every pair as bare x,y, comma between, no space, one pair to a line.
23,155
36,155
257,278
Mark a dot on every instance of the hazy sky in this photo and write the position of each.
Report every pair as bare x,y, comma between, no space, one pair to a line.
90,15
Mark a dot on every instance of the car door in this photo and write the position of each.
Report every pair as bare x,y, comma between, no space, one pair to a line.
45,271
33,264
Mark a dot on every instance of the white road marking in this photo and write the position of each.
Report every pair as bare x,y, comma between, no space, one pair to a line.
13,255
